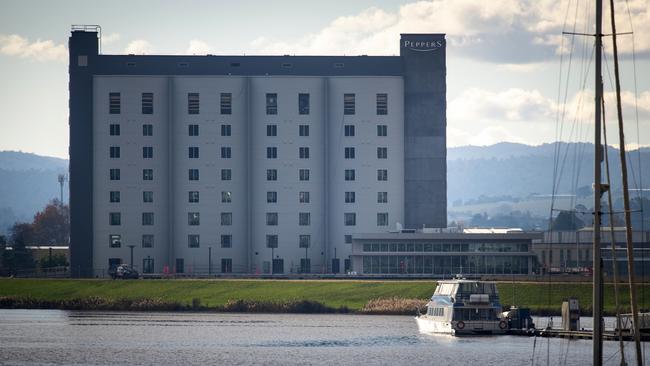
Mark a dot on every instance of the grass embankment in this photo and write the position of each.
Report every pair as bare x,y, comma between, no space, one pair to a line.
397,297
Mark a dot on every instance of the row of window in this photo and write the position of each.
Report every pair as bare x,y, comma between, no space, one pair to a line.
225,103
194,241
226,197
271,174
226,152
226,130
194,219
446,247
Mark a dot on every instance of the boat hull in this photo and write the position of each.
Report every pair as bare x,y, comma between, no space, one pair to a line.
427,325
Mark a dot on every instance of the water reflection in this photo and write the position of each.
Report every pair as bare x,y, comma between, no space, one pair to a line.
102,338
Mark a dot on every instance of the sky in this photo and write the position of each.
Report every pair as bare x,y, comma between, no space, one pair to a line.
511,74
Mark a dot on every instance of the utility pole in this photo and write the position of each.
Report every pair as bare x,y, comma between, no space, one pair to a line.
61,178
131,247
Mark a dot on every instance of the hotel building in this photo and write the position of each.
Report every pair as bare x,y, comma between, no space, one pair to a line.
250,164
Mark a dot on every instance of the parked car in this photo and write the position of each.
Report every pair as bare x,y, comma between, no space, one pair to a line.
124,271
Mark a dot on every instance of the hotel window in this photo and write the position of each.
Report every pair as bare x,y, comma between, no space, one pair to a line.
193,197
303,103
382,153
226,241
147,152
347,239
115,196
193,174
193,152
272,218
226,197
193,218
304,218
115,240
349,174
114,152
271,197
147,196
114,103
349,103
114,218
271,130
304,241
382,130
303,174
147,174
271,152
226,103
226,265
271,174
193,241
382,219
382,174
114,174
226,130
147,103
193,130
271,103
147,130
192,103
226,152
226,174
147,218
114,130
350,197
382,197
349,153
303,197
226,218
349,219
271,241
147,241
348,130
303,130
303,152
382,104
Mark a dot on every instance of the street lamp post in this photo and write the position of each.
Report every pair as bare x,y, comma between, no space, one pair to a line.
272,258
131,247
305,269
209,260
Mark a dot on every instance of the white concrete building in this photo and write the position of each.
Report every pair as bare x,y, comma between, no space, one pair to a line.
251,164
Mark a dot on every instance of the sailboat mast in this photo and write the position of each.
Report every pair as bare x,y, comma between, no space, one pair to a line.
597,267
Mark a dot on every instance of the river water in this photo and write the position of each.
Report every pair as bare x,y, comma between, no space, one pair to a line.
54,337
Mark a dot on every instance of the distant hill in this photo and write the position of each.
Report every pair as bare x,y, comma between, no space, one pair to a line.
497,178
28,182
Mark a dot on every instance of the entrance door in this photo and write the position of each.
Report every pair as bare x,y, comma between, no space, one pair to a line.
147,265
113,263
278,265
180,265
226,265
347,265
305,265
336,265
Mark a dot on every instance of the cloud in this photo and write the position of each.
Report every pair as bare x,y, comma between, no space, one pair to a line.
42,51
139,47
482,117
110,38
511,31
198,47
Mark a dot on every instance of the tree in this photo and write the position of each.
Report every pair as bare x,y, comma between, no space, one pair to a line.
51,226
19,257
56,260
567,220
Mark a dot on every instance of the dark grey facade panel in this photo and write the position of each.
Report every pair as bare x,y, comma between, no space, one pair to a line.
250,65
83,48
425,144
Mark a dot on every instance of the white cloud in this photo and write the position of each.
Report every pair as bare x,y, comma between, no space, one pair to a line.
483,117
198,47
48,50
139,47
110,38
500,30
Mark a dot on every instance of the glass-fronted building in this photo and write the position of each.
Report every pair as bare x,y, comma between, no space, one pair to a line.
444,254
